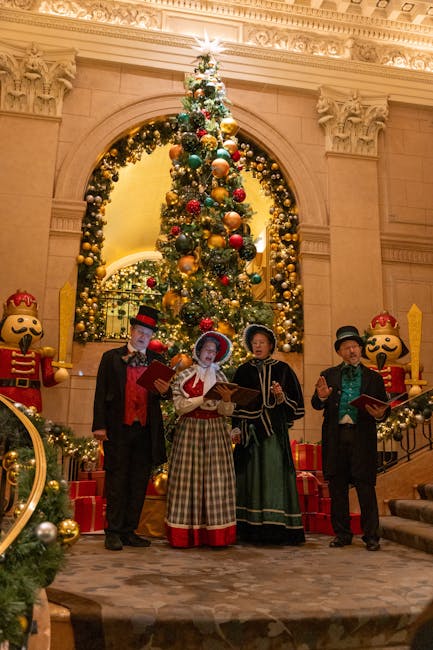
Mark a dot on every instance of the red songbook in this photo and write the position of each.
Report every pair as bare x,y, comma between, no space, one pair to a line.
361,401
156,370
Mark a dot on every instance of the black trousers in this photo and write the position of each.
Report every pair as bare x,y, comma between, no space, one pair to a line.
339,492
127,464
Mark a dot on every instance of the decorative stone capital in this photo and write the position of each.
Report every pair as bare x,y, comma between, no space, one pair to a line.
351,123
35,82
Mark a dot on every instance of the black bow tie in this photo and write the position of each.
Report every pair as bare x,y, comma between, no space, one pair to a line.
350,371
135,358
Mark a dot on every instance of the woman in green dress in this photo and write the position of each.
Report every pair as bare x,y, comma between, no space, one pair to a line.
267,500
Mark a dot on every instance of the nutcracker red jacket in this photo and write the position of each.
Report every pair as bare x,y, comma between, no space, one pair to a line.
365,452
109,403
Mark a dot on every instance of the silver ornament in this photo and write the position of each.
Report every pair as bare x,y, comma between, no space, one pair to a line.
46,532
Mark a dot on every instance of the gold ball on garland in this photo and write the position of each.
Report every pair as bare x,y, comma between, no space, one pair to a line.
172,301
230,145
232,220
187,264
229,126
53,486
181,361
95,248
286,295
225,328
24,623
160,482
100,272
9,459
80,327
291,267
12,474
68,531
88,261
172,198
19,509
216,241
220,168
175,151
209,141
80,259
219,194
86,246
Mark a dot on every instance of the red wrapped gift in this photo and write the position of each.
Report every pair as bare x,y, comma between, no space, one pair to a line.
325,505
309,503
306,483
308,456
355,523
82,489
321,523
98,476
323,489
89,514
306,521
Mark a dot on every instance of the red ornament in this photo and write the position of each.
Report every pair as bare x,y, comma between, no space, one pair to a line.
201,132
151,282
193,206
175,231
236,155
205,113
236,241
206,324
239,195
157,346
225,280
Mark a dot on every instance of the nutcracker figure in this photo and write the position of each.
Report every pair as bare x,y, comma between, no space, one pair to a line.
383,349
22,366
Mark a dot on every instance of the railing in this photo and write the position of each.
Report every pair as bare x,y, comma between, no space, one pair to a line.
407,430
117,307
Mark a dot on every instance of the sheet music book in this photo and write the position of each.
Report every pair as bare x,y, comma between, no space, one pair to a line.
156,370
242,396
361,401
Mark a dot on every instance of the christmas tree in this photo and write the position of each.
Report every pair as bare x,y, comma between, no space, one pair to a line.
205,237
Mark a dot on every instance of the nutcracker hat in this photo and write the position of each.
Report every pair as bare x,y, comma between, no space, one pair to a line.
21,302
147,317
386,325
257,328
224,345
347,333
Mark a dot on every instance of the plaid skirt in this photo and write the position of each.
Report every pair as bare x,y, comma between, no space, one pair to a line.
201,493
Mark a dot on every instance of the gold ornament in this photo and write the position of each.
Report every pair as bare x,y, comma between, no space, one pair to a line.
230,145
23,621
225,328
187,264
86,246
80,327
220,168
160,482
69,531
101,272
209,141
172,301
232,220
88,261
80,259
53,486
95,248
12,474
216,241
181,361
175,151
9,459
172,198
229,126
19,509
219,194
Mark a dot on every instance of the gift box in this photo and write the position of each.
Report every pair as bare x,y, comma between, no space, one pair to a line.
325,505
89,513
82,489
306,521
323,488
309,503
308,456
152,518
320,522
306,483
96,475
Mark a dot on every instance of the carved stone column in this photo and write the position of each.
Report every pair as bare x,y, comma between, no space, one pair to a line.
352,125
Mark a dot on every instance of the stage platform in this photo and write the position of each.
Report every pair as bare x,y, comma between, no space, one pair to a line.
242,597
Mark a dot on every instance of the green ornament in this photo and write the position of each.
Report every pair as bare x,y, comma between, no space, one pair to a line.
194,161
183,118
223,153
208,202
255,278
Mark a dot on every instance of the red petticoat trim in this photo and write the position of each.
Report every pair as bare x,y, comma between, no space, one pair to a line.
187,537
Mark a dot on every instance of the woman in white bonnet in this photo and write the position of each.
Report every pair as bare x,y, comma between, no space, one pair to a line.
201,502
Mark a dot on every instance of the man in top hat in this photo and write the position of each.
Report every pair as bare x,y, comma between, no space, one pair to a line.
128,419
349,440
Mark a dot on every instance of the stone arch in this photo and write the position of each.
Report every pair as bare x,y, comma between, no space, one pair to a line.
79,163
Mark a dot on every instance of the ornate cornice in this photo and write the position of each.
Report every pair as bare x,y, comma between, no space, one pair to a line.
66,217
33,81
315,241
402,249
351,122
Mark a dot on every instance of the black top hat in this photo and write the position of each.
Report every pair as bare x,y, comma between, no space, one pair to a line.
257,328
347,333
146,317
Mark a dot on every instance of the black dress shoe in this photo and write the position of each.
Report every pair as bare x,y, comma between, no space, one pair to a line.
113,542
131,539
372,545
338,542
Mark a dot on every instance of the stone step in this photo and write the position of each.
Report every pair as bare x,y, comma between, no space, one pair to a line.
416,534
416,509
425,490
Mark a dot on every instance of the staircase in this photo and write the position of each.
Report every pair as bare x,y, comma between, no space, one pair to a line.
411,520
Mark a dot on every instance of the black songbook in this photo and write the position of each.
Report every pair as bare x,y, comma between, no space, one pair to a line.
361,401
242,396
156,370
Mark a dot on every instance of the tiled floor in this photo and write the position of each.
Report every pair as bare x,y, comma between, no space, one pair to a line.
264,598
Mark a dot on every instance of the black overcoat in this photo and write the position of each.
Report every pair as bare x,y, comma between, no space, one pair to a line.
365,444
109,402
